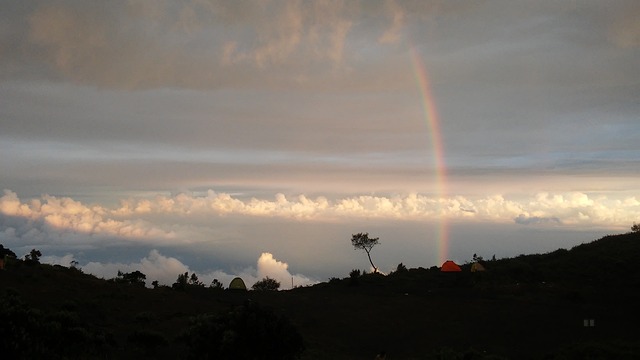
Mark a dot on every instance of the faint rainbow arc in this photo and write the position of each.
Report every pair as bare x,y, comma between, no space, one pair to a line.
433,122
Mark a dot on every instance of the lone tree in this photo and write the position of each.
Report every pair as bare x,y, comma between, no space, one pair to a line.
362,241
635,227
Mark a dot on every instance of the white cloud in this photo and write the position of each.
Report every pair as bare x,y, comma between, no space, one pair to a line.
155,266
177,218
62,215
278,270
166,269
58,260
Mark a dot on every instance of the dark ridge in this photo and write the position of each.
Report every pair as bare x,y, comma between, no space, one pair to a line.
566,304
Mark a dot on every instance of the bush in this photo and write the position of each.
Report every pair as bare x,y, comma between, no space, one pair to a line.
401,269
266,284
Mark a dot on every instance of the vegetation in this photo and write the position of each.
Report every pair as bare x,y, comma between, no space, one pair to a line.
362,241
530,306
4,252
215,284
134,278
248,331
266,284
33,256
185,281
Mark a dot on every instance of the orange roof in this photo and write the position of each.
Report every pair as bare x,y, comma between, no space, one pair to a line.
450,266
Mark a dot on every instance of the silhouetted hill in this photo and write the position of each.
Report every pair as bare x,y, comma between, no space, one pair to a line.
526,307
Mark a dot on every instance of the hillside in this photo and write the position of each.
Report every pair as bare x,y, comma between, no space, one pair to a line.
527,307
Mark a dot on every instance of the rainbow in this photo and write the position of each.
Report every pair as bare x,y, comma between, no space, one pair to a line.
433,122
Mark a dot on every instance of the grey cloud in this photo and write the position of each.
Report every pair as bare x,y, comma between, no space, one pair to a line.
536,220
211,45
195,45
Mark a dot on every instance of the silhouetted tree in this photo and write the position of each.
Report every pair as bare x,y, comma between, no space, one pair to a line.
155,284
215,284
33,256
135,278
635,227
476,258
193,280
266,284
6,252
182,281
401,268
354,276
362,241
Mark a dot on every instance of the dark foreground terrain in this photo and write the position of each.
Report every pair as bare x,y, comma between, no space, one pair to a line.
527,307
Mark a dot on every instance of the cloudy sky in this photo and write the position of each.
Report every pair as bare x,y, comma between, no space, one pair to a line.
254,138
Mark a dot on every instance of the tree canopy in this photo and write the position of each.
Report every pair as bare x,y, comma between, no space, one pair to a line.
364,242
6,252
266,284
33,256
135,278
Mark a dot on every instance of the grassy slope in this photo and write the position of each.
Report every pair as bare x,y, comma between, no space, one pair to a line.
525,307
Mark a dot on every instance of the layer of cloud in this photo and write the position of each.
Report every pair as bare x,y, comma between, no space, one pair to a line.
50,218
165,270
197,44
175,219
190,44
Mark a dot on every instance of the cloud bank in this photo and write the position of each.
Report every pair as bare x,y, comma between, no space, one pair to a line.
65,213
166,269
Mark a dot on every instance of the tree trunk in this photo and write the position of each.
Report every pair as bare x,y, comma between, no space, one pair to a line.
375,269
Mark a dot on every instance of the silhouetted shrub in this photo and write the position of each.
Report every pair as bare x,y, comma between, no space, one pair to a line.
216,285
33,257
353,277
6,252
401,269
266,284
134,278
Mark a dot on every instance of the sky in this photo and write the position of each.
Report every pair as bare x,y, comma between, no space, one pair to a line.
253,138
